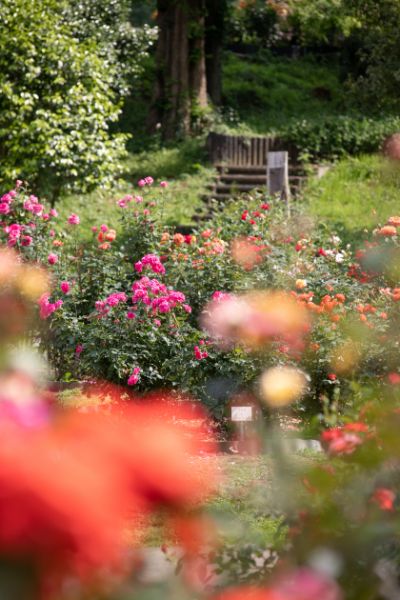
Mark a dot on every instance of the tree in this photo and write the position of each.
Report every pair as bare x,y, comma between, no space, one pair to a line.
57,102
181,71
214,40
122,45
379,22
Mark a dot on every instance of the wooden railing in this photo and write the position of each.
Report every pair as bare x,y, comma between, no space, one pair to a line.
241,150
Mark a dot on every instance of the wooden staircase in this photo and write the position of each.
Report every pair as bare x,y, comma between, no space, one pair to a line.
241,164
233,180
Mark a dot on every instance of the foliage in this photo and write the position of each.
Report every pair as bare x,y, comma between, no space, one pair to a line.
252,23
321,21
335,136
268,91
377,88
57,102
123,46
285,23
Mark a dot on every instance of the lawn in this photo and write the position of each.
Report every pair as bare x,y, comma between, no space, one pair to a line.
183,165
355,195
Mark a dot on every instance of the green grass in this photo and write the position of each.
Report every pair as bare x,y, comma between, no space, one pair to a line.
355,195
184,166
267,92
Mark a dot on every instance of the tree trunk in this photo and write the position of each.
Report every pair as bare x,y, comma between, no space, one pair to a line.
214,39
181,72
197,60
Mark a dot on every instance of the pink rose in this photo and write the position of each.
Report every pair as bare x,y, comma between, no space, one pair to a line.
26,240
134,377
164,307
139,266
37,209
52,258
73,219
65,287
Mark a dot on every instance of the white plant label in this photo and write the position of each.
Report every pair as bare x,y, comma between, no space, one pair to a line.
241,413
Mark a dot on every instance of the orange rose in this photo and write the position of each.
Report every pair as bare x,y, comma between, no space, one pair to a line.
111,235
164,237
395,221
387,231
301,284
179,239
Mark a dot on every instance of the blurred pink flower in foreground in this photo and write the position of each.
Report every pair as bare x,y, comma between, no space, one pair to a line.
255,318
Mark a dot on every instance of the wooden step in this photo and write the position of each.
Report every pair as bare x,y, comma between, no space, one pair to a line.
238,187
257,169
240,178
226,195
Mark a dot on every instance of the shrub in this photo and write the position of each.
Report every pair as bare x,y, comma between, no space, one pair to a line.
253,23
336,136
124,47
321,21
56,102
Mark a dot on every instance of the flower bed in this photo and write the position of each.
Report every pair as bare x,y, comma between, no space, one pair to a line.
130,306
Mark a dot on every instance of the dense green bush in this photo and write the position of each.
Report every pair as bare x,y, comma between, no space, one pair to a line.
253,23
335,136
122,45
376,87
320,21
56,102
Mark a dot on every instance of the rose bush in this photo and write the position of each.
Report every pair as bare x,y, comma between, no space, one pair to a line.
127,306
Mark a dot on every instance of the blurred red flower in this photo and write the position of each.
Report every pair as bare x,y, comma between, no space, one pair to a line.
156,446
56,507
384,498
248,593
